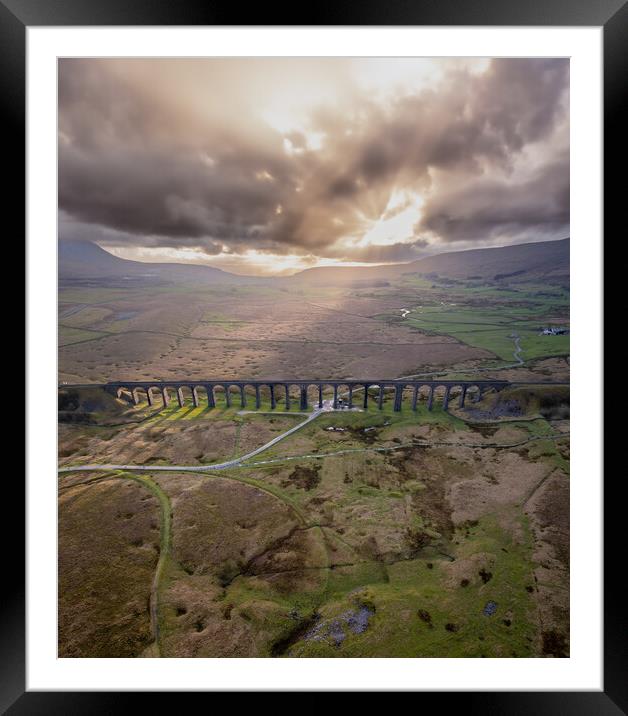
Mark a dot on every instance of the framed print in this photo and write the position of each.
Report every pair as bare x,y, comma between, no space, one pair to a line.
314,351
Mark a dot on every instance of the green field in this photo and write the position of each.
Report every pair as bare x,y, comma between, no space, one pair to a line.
490,318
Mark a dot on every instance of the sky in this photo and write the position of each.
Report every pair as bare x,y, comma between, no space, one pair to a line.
269,166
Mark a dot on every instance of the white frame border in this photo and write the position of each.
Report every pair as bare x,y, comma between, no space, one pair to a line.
583,670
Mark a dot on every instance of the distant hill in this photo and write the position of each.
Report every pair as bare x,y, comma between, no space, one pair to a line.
544,258
82,259
85,260
547,260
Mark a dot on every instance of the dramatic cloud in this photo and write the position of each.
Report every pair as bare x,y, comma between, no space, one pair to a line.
350,160
497,209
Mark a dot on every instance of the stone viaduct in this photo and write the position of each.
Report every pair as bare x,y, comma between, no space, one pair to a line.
280,391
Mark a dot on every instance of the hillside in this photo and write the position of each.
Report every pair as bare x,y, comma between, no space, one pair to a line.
86,260
532,260
547,260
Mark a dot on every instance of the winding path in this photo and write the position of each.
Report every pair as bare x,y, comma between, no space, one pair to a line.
517,352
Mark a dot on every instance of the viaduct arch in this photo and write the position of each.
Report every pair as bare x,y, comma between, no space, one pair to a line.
358,392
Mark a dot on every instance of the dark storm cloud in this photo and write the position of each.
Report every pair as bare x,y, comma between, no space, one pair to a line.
492,208
165,193
160,154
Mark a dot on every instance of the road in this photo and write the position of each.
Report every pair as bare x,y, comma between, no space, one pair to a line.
204,468
235,462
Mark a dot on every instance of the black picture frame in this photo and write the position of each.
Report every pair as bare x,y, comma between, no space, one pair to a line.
17,15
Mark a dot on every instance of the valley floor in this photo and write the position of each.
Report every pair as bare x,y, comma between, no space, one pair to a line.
413,327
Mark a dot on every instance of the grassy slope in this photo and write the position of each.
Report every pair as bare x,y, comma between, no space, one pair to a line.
399,591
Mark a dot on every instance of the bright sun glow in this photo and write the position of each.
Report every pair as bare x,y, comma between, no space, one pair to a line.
289,102
246,263
395,225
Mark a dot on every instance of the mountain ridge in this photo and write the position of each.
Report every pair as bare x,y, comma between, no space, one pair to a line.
543,259
87,260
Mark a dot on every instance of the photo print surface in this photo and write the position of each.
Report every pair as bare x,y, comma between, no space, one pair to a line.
313,350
